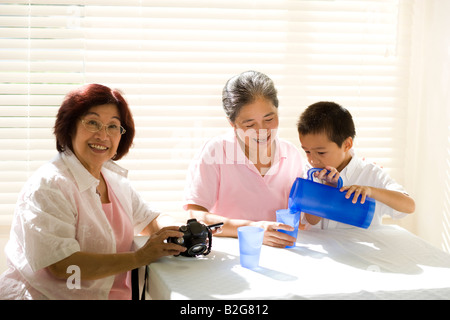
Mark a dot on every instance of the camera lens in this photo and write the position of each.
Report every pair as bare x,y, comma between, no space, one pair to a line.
196,239
197,249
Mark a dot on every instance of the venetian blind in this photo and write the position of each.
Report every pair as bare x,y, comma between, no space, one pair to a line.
171,59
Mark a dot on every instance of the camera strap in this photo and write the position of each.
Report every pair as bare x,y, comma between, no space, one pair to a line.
209,242
135,284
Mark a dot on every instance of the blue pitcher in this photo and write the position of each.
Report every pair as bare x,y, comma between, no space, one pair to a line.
329,203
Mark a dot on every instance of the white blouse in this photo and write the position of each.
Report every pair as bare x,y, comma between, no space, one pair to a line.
57,214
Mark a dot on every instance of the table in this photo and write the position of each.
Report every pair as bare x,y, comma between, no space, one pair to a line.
386,262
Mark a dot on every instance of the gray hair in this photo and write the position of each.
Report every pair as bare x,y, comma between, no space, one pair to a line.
246,88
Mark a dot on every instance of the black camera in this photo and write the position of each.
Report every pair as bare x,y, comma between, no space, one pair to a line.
197,238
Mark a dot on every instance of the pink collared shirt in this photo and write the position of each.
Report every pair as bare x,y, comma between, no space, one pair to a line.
223,180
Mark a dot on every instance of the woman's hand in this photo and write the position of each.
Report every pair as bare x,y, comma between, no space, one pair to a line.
157,247
273,237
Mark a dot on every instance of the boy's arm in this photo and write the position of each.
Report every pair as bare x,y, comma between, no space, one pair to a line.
394,199
312,219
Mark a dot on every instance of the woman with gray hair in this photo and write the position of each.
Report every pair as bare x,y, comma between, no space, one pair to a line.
242,178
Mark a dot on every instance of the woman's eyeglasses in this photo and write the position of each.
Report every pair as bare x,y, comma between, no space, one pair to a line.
95,126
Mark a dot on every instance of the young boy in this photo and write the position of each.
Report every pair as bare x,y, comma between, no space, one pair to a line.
326,131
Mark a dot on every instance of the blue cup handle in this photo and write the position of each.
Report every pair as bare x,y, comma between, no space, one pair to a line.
312,170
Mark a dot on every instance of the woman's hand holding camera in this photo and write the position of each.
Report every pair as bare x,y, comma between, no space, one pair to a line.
157,247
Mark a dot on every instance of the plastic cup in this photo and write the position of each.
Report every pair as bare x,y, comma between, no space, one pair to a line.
286,216
250,242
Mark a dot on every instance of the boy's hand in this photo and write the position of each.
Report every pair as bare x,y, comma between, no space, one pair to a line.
331,178
364,191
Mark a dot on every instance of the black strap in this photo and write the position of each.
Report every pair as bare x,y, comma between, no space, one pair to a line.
135,284
145,284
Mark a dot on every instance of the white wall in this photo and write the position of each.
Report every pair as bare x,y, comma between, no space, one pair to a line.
428,161
4,236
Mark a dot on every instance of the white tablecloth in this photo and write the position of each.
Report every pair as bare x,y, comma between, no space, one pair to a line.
384,263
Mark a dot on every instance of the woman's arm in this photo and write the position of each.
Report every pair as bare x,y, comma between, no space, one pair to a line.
96,265
229,229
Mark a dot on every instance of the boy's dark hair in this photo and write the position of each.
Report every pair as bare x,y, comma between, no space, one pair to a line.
327,117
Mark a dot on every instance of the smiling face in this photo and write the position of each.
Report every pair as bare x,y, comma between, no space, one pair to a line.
322,152
93,149
257,123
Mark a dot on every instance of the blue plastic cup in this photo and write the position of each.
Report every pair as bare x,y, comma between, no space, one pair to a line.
291,218
250,242
329,203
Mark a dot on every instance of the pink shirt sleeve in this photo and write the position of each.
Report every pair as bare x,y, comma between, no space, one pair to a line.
203,179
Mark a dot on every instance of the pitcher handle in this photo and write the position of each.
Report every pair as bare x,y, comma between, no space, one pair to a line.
312,170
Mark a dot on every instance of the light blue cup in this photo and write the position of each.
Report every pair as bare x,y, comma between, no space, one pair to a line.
290,218
250,242
329,203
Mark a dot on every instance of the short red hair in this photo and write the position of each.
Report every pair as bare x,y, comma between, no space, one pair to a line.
78,102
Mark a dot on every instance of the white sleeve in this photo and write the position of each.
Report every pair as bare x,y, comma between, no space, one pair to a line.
45,219
143,212
386,182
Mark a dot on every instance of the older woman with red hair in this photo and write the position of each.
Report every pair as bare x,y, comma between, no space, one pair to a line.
78,214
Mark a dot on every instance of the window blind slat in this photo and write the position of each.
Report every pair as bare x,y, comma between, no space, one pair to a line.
171,58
